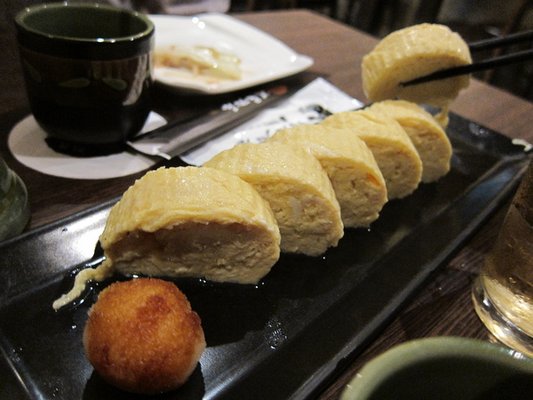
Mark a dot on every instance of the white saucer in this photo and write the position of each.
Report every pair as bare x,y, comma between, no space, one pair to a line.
27,143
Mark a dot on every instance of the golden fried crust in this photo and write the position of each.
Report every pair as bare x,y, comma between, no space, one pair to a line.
143,337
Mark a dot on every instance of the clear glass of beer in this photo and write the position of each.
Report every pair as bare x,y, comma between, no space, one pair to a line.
503,292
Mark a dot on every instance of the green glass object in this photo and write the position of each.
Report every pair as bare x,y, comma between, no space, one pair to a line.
14,206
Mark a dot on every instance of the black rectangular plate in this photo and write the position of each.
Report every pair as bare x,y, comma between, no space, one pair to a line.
280,339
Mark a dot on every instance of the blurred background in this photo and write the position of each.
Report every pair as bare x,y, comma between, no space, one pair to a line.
473,19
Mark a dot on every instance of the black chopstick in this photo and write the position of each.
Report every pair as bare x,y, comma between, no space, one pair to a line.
483,65
492,43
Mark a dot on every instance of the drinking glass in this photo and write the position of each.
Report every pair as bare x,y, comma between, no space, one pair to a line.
503,292
14,208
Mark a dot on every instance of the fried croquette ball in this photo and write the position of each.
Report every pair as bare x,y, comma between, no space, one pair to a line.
143,337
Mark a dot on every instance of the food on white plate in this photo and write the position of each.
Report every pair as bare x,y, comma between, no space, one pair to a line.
413,52
297,189
199,61
187,222
357,181
143,337
425,132
394,152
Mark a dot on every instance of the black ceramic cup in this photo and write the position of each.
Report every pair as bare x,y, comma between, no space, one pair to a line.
88,73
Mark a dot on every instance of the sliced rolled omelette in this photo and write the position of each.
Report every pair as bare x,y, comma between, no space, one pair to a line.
413,52
357,181
425,132
190,221
394,152
187,222
297,189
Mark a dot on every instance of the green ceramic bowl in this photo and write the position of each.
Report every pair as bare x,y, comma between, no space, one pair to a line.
88,71
444,368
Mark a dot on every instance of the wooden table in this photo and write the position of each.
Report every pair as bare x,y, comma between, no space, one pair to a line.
443,307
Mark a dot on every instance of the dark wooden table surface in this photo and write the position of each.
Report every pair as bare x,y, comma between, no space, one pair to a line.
443,307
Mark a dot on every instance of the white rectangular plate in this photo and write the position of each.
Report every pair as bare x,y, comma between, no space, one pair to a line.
263,58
